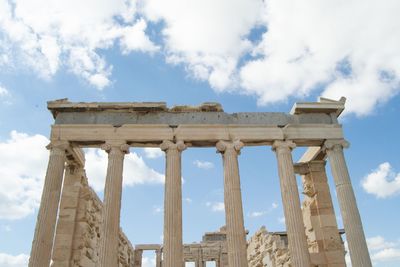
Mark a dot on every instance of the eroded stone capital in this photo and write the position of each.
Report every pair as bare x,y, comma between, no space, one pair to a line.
335,144
223,146
169,145
58,146
115,147
280,144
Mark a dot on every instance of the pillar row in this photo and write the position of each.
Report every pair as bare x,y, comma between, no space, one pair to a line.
46,221
109,238
173,247
348,206
291,203
235,232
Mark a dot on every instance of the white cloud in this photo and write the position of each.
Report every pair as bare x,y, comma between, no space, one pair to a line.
23,165
207,36
158,209
387,254
378,243
216,206
135,170
135,39
3,91
282,220
45,35
153,152
382,250
241,46
206,165
256,214
188,200
7,260
382,182
148,262
355,56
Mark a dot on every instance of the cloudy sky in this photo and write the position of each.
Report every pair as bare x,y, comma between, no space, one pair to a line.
249,55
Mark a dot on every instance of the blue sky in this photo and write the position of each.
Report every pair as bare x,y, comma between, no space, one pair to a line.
246,55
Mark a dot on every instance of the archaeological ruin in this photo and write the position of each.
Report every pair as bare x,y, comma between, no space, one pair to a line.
76,228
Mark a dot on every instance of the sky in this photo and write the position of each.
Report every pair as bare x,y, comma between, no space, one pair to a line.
248,55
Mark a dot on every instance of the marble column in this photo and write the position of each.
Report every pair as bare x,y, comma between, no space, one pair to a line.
173,247
298,246
42,244
348,206
199,263
235,232
138,258
109,238
158,258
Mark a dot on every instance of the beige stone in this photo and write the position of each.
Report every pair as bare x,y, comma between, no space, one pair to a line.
319,217
350,215
112,204
173,247
88,231
291,204
236,236
42,244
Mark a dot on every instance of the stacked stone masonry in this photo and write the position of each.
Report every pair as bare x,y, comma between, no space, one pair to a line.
79,228
267,250
87,231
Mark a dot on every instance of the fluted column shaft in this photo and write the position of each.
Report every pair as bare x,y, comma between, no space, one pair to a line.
109,238
235,232
138,258
298,246
158,258
348,206
46,221
173,247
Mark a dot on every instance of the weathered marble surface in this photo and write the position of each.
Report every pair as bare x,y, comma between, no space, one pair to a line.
83,200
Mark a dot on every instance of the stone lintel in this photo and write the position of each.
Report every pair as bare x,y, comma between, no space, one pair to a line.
121,117
148,247
196,135
303,168
75,155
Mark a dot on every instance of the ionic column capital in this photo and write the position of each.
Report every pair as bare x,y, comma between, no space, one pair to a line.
335,144
223,146
115,147
58,145
283,144
169,145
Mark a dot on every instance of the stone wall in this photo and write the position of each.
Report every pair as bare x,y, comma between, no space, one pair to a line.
78,229
267,250
324,242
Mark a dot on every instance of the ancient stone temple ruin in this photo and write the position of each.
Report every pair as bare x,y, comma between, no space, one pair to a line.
76,228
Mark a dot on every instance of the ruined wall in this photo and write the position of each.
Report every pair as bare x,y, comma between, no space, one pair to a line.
79,223
267,250
324,242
